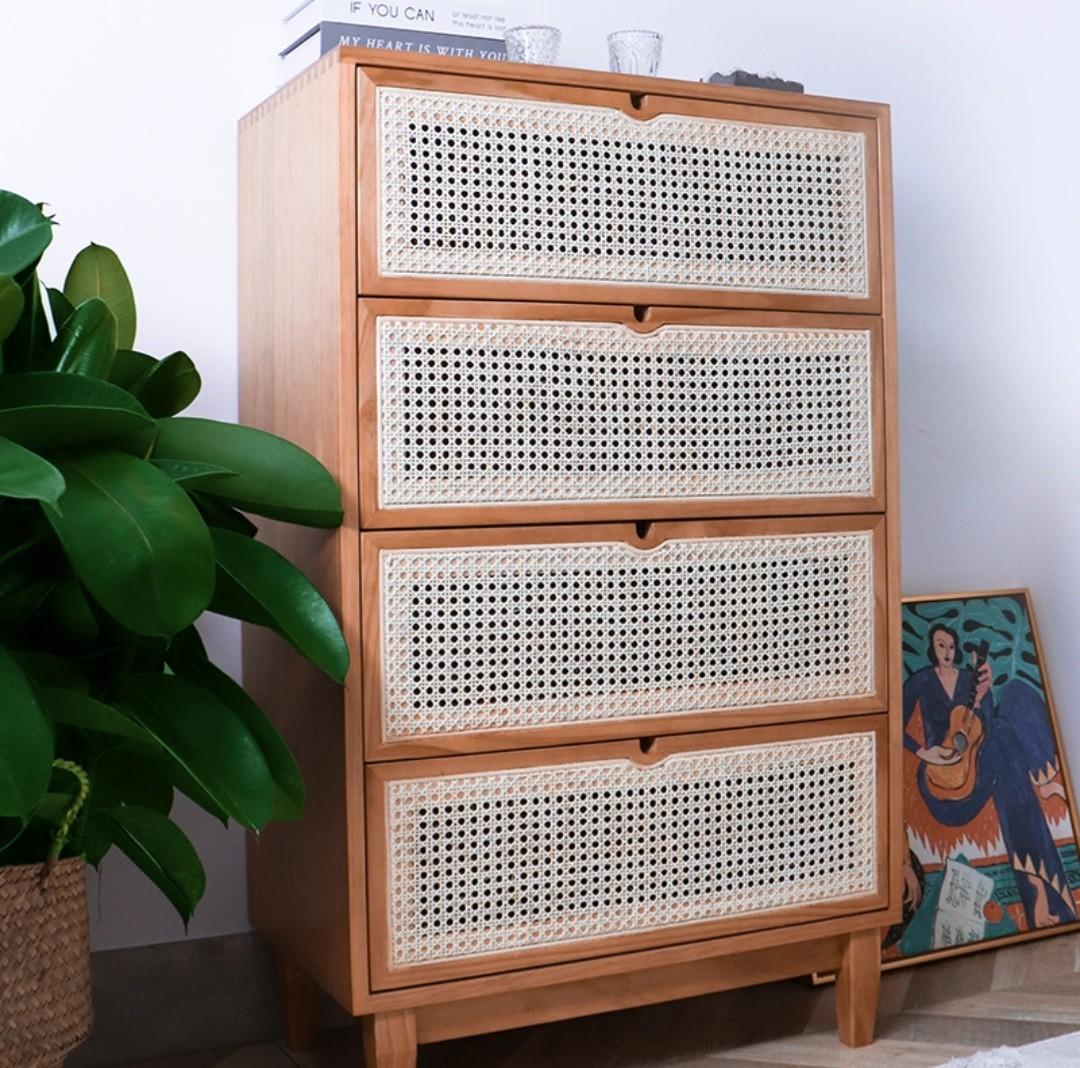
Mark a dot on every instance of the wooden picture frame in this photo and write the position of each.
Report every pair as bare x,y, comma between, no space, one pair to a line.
1015,891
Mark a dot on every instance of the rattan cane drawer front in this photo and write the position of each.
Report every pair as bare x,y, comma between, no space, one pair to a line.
504,638
500,861
545,186
549,412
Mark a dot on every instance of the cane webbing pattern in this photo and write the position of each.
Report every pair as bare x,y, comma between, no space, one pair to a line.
504,860
488,187
487,412
480,638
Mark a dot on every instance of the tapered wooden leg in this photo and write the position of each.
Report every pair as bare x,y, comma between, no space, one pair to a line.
857,985
390,1040
298,1004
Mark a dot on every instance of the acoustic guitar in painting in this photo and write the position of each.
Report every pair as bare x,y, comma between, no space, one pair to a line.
965,735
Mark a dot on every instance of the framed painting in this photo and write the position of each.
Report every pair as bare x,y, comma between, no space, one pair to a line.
988,806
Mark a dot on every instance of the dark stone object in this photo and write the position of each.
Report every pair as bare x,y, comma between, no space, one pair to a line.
755,81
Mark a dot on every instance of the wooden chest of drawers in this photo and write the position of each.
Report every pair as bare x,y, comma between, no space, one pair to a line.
605,367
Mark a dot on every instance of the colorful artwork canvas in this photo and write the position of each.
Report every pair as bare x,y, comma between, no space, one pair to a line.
988,806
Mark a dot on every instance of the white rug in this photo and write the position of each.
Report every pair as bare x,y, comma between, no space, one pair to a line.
1060,1052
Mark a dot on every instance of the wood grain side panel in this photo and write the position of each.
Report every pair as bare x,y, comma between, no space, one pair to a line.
296,333
897,833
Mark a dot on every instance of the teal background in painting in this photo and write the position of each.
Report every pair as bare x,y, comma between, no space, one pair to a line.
1003,621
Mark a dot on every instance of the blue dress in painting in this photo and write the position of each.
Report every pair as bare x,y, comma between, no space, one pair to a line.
1018,743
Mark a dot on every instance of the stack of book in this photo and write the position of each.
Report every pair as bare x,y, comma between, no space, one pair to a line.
427,27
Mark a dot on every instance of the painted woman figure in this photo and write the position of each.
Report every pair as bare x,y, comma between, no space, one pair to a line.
1016,748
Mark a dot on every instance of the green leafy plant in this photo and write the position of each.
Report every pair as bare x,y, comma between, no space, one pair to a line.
121,522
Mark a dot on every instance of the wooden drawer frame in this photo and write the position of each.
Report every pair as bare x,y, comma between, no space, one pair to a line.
308,880
639,106
641,320
385,977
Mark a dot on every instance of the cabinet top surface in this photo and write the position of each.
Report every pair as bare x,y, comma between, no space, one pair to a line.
573,76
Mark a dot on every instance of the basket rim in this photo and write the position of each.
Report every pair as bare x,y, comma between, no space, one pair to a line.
38,865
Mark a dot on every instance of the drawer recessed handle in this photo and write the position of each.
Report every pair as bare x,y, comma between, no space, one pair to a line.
639,319
646,745
637,101
642,528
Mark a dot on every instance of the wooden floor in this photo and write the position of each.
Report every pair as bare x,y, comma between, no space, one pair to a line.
928,1014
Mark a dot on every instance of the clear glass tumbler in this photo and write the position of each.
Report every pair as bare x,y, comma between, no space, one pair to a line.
635,51
532,44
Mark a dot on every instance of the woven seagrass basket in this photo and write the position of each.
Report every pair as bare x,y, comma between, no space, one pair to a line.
45,1007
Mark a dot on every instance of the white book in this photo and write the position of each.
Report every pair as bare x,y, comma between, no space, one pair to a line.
463,19
328,35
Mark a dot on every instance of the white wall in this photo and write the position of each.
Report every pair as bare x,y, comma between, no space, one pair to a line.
121,113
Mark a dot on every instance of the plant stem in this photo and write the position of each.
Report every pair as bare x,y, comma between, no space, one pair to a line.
64,830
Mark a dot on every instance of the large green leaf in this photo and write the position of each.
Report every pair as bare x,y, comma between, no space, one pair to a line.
160,850
135,541
207,740
187,646
25,233
218,514
48,669
27,560
24,525
71,709
190,474
26,475
72,614
130,369
273,477
171,386
26,743
288,783
49,409
22,602
132,773
125,773
60,307
98,272
259,585
11,305
86,343
27,346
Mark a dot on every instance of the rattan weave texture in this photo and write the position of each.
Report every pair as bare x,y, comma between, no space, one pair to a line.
493,187
482,412
490,862
515,636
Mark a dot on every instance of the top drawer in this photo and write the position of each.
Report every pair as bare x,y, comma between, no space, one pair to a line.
511,189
